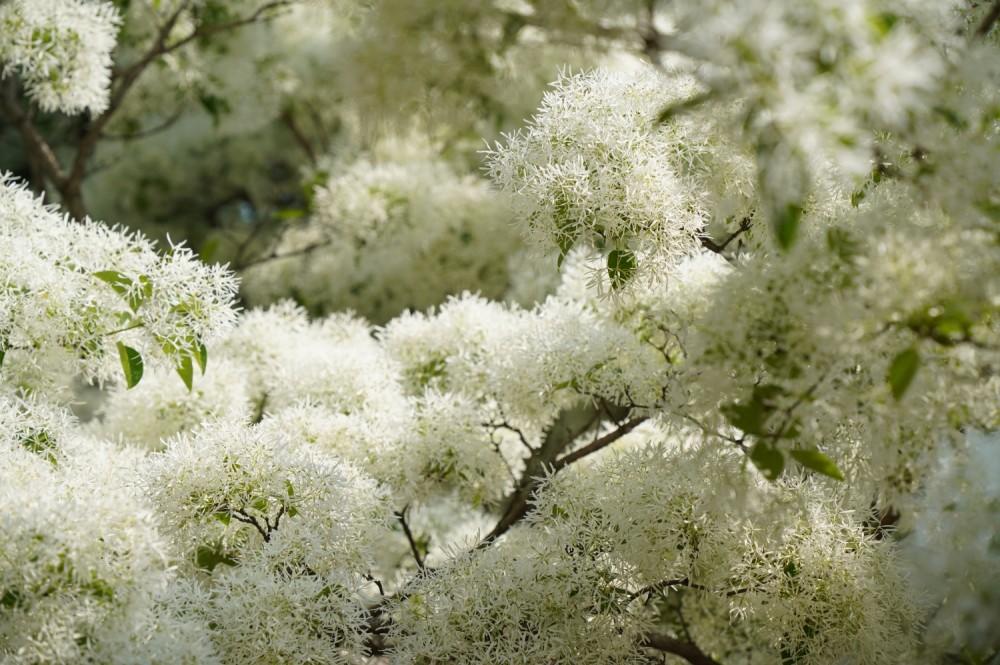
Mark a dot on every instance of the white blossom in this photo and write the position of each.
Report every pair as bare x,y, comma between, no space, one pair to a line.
62,51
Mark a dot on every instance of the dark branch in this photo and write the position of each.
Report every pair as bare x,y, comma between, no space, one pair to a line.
686,650
401,516
990,20
718,248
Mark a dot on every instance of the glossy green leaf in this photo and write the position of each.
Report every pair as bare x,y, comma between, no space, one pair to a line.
119,282
786,224
185,369
208,557
621,267
902,370
749,417
131,364
202,357
817,462
768,459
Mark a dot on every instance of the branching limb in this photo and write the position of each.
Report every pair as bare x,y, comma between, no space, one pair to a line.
401,516
718,248
990,20
686,650
519,505
37,148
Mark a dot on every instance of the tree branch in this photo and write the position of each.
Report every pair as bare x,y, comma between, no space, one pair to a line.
520,503
990,20
401,516
686,650
126,78
36,146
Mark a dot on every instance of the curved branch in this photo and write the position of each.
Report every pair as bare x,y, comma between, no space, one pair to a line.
686,650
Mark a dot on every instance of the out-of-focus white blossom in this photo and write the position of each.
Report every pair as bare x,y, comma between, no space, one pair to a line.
387,235
953,546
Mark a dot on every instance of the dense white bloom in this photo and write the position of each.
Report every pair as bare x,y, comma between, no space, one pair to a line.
62,51
591,166
391,234
229,490
81,562
264,611
519,602
70,292
799,574
162,406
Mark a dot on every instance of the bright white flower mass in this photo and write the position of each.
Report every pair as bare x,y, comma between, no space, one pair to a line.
83,297
745,413
62,51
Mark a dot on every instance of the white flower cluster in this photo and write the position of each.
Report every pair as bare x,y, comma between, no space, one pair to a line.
85,298
520,602
595,166
62,51
81,559
815,82
388,235
783,564
287,531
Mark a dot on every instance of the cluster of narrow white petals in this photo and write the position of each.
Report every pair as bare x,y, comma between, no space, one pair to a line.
784,563
595,166
518,602
267,611
229,490
81,561
62,51
389,234
71,292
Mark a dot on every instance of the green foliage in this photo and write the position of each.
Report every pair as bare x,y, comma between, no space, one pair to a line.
621,267
902,369
786,224
131,364
768,459
818,462
207,557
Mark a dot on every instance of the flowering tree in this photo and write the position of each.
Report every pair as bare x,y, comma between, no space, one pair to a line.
726,391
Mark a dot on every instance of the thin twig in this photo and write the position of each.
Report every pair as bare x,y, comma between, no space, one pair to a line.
401,516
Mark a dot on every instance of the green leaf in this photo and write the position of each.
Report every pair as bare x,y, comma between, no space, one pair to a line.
883,22
749,417
668,112
119,282
4,345
818,462
125,287
208,557
287,214
215,106
11,598
185,369
902,370
768,459
131,364
202,357
786,225
621,267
